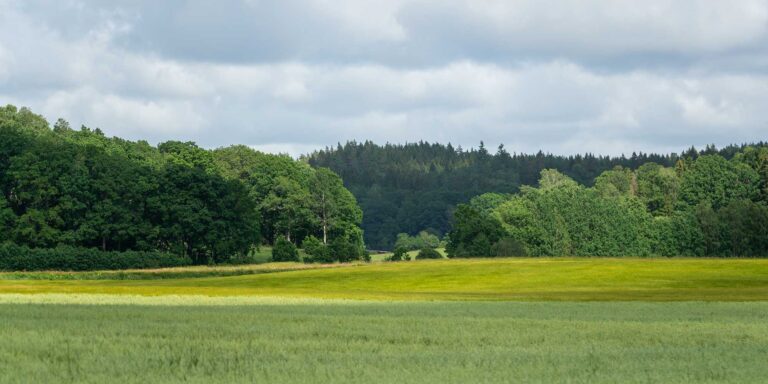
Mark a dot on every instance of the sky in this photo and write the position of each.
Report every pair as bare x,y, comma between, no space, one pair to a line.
562,76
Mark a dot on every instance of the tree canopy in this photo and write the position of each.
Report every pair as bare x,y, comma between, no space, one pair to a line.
705,206
65,187
407,188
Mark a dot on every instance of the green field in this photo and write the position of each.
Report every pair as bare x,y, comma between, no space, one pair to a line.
563,279
437,342
560,320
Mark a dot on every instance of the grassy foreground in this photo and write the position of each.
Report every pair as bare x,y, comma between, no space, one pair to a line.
562,279
377,342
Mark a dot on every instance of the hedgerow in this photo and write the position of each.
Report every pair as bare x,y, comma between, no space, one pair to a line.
21,258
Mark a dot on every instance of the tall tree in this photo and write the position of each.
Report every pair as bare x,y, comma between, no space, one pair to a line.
331,202
288,208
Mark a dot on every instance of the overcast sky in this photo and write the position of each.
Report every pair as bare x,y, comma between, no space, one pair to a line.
607,77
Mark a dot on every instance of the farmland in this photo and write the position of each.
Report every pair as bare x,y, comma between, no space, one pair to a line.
531,279
443,321
143,340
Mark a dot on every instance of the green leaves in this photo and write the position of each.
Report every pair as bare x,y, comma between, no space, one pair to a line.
284,250
294,200
715,180
473,233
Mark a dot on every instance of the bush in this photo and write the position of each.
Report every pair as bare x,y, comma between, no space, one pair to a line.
423,240
21,258
428,253
399,254
316,251
284,250
343,250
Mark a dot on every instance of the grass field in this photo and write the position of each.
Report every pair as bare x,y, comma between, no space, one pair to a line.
379,342
564,279
559,320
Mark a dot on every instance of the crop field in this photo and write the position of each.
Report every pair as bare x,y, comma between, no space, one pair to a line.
353,342
438,321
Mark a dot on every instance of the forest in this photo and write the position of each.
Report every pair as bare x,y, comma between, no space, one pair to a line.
704,206
409,188
69,194
78,191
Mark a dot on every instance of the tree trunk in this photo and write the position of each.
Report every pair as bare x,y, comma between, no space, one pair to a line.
325,233
325,220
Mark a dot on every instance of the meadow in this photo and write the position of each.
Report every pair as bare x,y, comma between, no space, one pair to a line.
550,320
529,279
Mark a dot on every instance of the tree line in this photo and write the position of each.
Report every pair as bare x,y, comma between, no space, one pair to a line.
65,187
705,205
408,188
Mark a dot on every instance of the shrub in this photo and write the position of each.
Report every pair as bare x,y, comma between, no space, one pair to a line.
400,254
21,258
284,250
428,253
316,251
423,240
343,250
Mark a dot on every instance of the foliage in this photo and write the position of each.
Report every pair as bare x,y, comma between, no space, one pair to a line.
487,202
708,207
344,250
473,233
616,182
333,205
757,159
316,251
400,254
508,246
743,228
658,188
411,243
79,188
713,179
284,250
63,258
428,253
407,188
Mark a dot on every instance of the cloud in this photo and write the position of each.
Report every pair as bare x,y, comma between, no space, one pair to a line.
421,32
562,76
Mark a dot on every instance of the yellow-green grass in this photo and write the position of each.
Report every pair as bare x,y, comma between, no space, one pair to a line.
385,342
530,279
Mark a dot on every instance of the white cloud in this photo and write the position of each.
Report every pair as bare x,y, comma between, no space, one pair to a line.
5,63
365,20
294,150
121,116
623,26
